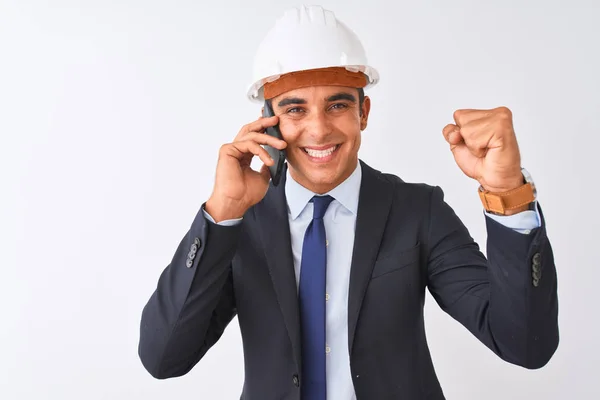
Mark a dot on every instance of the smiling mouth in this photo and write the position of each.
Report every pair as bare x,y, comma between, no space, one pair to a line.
324,153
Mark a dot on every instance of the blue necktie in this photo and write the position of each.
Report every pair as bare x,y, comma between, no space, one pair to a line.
312,303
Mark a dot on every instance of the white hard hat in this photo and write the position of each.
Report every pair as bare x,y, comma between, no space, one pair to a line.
306,38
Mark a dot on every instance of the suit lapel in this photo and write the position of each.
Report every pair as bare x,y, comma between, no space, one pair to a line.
272,215
374,204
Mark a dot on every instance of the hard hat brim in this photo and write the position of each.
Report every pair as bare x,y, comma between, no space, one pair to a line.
255,92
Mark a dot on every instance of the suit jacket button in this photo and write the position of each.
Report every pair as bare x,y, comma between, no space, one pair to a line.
189,263
296,381
536,282
197,242
194,249
537,259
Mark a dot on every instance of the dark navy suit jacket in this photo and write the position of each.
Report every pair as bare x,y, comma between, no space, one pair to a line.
408,239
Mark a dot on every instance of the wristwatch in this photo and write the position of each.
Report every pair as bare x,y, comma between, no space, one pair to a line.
499,203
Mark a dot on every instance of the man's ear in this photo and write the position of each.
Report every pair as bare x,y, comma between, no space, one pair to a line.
364,117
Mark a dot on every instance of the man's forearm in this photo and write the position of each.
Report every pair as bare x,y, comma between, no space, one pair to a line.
192,301
523,295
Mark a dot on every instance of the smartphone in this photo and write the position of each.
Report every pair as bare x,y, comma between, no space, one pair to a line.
277,155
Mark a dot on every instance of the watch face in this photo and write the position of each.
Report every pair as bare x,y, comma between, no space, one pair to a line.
529,179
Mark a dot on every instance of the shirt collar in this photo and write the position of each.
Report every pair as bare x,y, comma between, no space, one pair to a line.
346,193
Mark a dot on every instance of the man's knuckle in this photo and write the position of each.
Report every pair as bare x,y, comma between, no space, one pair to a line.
504,112
458,115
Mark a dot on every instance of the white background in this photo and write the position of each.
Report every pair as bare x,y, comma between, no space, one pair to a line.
111,116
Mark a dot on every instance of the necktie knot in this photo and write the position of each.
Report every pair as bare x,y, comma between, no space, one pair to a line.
320,205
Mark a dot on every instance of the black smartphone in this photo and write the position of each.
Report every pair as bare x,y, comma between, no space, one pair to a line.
277,155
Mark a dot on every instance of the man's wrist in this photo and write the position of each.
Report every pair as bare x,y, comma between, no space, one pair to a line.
221,210
515,196
510,184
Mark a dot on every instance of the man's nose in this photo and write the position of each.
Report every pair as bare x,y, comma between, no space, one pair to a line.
319,125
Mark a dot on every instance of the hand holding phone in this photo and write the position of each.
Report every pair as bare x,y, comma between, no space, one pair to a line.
237,186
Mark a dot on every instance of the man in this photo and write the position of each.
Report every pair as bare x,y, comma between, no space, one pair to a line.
327,271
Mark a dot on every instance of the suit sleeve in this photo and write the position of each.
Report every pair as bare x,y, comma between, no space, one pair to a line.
193,302
509,300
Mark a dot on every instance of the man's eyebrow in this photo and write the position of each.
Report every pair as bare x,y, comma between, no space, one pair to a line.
342,96
291,100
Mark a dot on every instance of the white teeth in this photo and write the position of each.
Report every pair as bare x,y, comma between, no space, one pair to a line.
320,153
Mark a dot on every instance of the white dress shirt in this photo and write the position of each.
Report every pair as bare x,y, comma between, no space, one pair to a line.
340,222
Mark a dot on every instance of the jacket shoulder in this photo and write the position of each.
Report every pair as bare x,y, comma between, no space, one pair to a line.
401,187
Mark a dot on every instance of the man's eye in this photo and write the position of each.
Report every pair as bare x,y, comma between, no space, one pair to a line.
339,105
294,110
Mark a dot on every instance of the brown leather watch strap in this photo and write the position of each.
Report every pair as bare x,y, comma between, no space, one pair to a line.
499,203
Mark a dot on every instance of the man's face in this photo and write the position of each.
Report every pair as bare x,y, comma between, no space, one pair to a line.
322,126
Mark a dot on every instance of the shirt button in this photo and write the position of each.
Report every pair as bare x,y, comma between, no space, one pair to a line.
327,349
326,296
326,242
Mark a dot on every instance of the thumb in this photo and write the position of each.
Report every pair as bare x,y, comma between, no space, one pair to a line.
452,134
455,138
